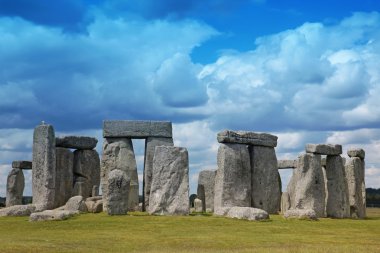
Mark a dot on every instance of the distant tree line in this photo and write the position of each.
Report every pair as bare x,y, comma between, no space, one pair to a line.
373,197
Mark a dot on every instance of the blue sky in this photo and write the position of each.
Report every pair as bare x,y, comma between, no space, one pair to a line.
307,71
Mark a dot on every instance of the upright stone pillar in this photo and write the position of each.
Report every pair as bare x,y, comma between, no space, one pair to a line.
285,202
205,190
266,190
310,185
170,184
355,173
44,167
233,177
337,204
118,154
15,187
150,144
87,167
117,192
64,176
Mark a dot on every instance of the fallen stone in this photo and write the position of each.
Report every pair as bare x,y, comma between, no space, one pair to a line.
18,210
94,206
233,177
136,129
357,152
266,189
76,142
96,198
205,190
64,176
118,190
150,144
50,215
310,185
76,203
247,213
15,187
198,205
221,211
249,138
44,167
170,185
25,165
356,187
337,203
324,149
301,214
87,165
286,164
118,154
285,202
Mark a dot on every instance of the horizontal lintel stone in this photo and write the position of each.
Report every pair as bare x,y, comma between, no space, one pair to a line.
357,152
287,164
324,149
76,142
137,129
246,137
25,165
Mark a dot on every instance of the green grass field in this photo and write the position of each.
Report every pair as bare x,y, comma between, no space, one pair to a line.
142,233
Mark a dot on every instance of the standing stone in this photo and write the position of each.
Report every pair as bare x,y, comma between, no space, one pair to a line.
95,191
87,165
80,186
15,187
285,202
205,190
310,185
117,194
266,189
337,205
170,185
43,167
118,154
64,176
233,177
356,187
150,144
198,205
291,188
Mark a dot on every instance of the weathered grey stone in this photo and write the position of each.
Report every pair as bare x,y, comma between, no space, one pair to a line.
49,215
15,187
137,129
301,214
324,149
249,138
310,185
87,165
337,203
94,206
118,154
96,198
18,210
233,177
266,190
356,152
118,190
169,193
205,191
221,211
44,166
291,187
95,191
285,202
247,213
150,144
81,186
64,176
25,165
76,142
286,164
198,205
356,187
76,203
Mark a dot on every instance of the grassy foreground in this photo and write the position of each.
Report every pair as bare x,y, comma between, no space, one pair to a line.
141,233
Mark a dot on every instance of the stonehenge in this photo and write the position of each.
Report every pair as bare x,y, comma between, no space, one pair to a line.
205,189
15,187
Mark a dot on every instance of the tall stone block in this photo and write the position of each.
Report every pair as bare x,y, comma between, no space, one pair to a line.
310,185
150,144
205,190
285,202
64,176
337,204
266,189
44,167
356,187
15,187
118,154
170,185
233,177
117,192
87,165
